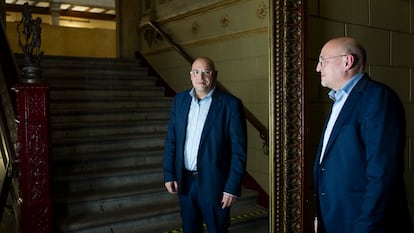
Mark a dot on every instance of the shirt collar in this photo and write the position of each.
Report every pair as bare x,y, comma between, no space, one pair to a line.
346,89
210,93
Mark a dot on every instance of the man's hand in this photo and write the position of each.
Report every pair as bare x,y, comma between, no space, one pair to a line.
228,200
172,187
315,225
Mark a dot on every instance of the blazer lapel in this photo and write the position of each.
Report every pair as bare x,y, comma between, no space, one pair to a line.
182,114
216,105
345,112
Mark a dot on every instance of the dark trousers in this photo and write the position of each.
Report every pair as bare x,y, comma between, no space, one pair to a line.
196,208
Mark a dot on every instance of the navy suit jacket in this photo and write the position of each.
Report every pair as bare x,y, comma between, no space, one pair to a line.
221,160
359,184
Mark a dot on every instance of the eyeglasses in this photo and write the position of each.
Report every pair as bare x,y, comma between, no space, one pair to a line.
322,60
203,72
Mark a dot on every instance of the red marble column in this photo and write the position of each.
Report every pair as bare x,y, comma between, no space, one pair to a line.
33,154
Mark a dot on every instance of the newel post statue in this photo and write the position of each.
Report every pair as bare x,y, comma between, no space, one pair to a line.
33,149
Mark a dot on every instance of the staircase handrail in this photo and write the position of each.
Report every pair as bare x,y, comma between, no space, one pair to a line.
8,61
9,76
263,131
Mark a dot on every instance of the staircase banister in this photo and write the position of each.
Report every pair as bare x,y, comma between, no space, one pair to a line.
9,76
176,46
263,131
8,62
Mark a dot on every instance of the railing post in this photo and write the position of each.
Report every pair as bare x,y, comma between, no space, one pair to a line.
33,149
33,153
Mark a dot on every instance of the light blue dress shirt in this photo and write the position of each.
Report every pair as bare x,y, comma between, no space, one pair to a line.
196,118
339,97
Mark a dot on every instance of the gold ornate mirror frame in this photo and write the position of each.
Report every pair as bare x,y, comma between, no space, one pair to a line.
287,116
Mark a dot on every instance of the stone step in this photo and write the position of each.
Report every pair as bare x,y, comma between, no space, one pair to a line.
104,143
96,162
66,62
93,165
104,93
98,129
94,73
69,157
96,181
104,115
93,82
102,203
123,215
71,105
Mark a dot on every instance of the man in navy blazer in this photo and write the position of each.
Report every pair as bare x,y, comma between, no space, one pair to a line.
358,170
205,151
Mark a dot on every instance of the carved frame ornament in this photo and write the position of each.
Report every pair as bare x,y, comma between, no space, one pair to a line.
286,126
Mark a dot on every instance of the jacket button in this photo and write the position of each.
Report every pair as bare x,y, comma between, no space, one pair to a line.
323,193
322,169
